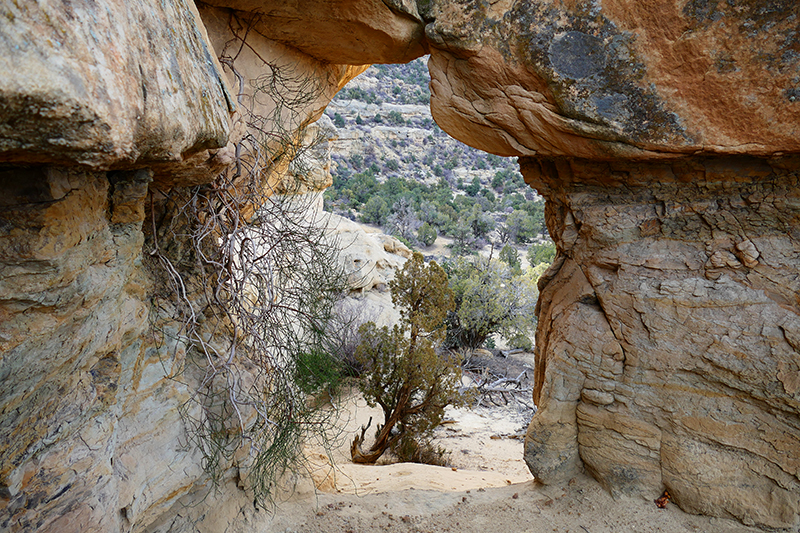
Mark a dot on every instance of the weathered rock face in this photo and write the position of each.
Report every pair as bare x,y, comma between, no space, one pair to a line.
669,337
74,317
355,32
91,436
120,85
617,79
668,349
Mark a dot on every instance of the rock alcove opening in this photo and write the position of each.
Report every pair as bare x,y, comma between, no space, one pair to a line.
390,160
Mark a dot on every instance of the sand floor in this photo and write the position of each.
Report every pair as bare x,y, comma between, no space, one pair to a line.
486,489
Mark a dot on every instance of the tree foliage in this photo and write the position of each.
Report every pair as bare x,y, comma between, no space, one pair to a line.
427,234
510,256
489,299
541,253
403,374
403,222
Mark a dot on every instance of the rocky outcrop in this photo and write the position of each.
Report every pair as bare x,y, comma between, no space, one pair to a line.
74,322
668,327
668,341
122,86
355,32
667,353
101,104
616,79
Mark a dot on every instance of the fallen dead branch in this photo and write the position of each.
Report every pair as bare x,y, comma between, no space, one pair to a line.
489,389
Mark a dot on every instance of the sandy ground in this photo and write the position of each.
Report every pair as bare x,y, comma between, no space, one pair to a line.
486,488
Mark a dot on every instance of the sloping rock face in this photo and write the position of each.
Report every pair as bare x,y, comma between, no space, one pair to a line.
667,348
355,32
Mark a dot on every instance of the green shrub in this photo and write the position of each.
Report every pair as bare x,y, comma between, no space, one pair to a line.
375,211
427,234
510,256
317,371
489,299
521,341
402,373
541,253
338,120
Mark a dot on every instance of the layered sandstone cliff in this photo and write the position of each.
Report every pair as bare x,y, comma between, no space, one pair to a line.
663,135
103,109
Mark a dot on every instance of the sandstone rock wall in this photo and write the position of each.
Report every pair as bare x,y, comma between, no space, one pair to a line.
354,32
669,333
667,351
616,79
108,84
101,103
74,322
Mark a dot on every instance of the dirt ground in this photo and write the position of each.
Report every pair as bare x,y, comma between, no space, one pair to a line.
485,488
581,507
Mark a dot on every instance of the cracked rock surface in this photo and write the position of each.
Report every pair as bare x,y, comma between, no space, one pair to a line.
668,340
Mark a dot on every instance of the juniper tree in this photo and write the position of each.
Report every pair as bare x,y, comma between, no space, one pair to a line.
403,373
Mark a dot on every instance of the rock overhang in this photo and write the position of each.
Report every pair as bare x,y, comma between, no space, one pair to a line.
615,80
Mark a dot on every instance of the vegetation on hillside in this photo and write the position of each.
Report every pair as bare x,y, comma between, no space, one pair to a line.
416,182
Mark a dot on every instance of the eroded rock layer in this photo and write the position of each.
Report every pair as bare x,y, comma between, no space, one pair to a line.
617,79
668,334
668,348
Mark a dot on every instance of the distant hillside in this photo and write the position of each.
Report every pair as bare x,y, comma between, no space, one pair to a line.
393,166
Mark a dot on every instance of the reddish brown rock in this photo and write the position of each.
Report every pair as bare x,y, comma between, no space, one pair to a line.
618,79
354,32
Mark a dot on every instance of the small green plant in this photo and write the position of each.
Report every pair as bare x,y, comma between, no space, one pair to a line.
338,120
521,341
318,372
510,256
427,234
403,374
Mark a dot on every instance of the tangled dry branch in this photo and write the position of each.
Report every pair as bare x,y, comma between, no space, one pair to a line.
251,283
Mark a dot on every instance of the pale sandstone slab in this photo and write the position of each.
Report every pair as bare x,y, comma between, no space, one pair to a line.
108,84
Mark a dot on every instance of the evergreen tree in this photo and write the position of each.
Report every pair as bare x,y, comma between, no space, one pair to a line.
402,371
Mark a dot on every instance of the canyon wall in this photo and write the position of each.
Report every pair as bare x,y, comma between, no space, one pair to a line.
106,108
667,349
663,136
